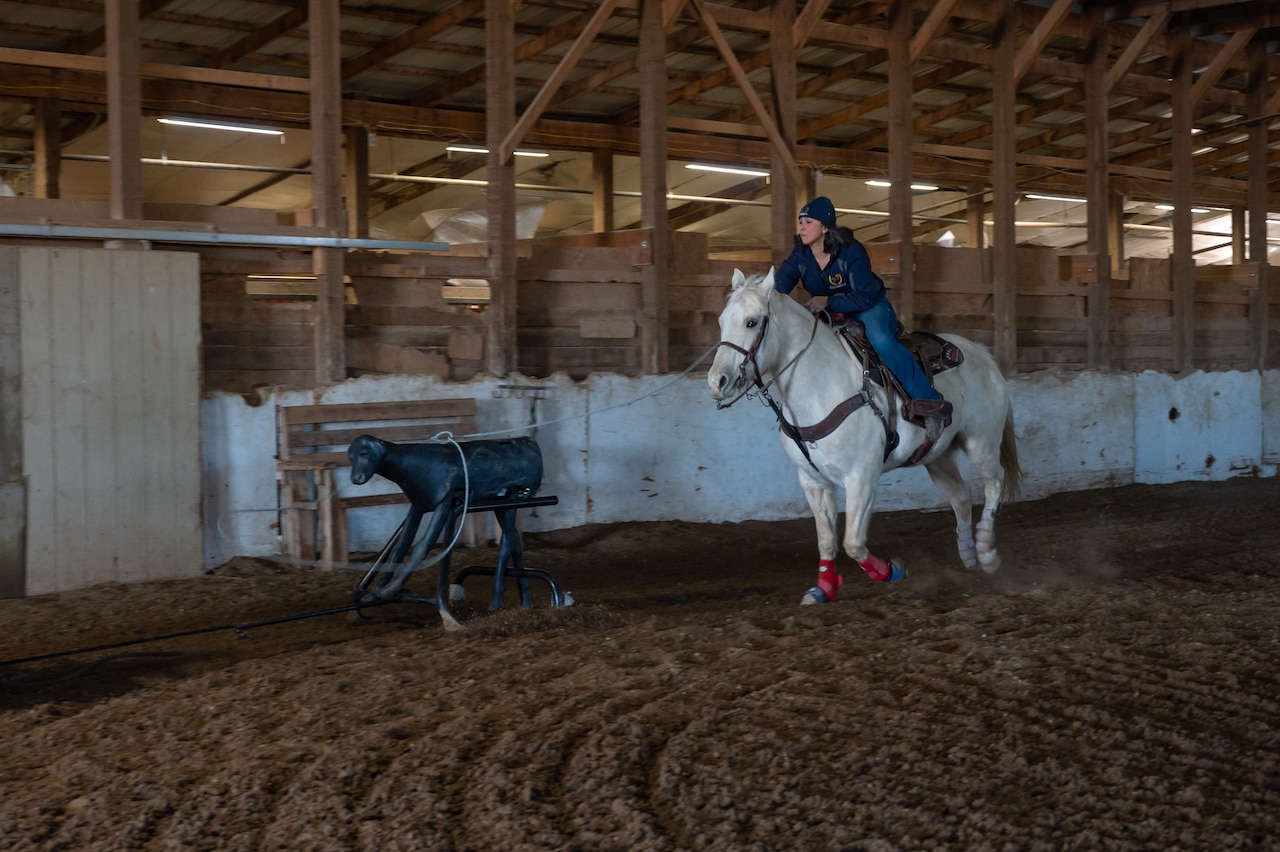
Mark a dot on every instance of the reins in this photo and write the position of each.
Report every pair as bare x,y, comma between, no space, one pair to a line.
801,435
749,357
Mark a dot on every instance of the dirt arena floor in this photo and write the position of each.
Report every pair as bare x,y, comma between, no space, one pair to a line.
1116,686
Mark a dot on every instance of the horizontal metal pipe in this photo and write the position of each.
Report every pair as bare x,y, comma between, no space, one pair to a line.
215,237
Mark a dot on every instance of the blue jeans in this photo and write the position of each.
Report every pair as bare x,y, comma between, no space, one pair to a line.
882,327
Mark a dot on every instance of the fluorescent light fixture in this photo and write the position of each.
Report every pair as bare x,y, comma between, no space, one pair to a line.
480,149
1193,209
1070,199
221,125
728,170
282,277
918,187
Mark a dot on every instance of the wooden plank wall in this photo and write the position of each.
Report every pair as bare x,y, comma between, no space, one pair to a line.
577,310
1142,308
397,319
580,296
579,299
1052,323
110,353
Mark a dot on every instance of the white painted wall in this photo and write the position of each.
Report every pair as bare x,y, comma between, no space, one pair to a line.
656,448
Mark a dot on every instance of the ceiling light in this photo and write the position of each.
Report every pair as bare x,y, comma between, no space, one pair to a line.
480,149
221,125
1070,199
918,187
728,170
1193,209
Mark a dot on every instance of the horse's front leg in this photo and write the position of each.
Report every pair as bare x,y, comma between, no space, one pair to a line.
860,503
822,502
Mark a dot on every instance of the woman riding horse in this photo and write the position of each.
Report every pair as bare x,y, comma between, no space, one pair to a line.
835,270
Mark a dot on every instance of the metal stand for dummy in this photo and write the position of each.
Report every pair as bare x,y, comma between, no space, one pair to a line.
384,581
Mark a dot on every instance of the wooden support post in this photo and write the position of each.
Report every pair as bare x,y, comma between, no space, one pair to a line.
1097,179
47,159
13,497
124,109
975,209
500,119
654,320
329,332
1239,234
1115,232
1182,268
1004,263
783,205
602,189
1260,303
901,174
355,180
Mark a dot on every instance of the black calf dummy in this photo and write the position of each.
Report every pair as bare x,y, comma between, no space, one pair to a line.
433,477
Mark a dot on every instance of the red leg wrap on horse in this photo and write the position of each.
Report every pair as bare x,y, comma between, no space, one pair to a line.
828,580
876,568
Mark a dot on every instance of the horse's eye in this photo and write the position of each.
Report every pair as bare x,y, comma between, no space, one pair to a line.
752,323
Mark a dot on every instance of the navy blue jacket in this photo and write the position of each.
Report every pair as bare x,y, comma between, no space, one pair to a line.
848,282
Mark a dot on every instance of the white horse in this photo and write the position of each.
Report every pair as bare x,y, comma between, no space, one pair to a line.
771,343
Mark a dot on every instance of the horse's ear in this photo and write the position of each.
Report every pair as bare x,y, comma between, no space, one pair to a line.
738,279
766,282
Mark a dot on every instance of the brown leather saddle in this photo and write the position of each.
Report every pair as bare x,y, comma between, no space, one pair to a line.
933,353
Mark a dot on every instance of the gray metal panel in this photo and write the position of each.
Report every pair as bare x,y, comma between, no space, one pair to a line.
110,416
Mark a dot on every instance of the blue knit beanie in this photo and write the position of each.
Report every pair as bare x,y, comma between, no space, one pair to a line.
821,209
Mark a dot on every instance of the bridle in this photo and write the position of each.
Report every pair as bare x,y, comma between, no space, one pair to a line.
749,357
800,434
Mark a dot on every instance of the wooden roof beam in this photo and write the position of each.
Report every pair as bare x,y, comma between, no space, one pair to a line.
938,15
1034,45
544,96
414,36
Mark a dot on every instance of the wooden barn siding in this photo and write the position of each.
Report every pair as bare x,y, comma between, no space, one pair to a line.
1052,310
110,398
1142,317
579,301
397,320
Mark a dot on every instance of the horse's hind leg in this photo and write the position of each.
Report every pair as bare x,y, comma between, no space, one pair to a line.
946,476
992,473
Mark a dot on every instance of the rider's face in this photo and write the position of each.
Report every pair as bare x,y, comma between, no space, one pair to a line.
811,231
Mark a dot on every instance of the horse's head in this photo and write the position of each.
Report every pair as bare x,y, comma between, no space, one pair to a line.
743,324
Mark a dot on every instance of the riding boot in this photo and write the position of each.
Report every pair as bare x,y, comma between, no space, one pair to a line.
936,414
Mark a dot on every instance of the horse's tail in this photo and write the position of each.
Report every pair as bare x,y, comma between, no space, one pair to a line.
1009,457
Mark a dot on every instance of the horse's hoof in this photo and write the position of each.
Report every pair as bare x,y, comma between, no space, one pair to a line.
814,596
897,572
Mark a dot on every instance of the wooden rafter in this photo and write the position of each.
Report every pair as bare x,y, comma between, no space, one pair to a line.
534,110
